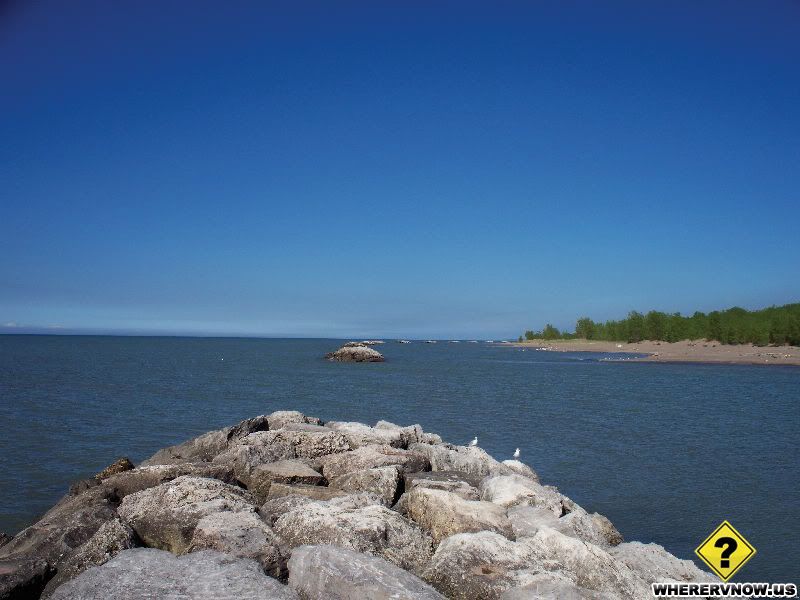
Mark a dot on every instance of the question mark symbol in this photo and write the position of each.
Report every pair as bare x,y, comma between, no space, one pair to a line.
730,545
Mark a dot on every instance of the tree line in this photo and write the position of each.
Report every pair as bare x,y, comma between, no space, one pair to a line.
773,325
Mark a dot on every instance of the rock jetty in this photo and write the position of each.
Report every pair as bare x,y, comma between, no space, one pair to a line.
284,506
355,352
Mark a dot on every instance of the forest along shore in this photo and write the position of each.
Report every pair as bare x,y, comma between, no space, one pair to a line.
701,351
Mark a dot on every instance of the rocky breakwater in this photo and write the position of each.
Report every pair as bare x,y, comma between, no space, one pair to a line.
285,506
355,352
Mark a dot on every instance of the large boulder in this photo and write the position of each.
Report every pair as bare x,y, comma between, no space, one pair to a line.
592,527
274,509
511,490
359,434
205,447
241,534
334,573
281,418
282,471
652,563
355,353
265,447
479,565
526,520
381,481
460,484
444,514
113,537
466,459
520,468
370,528
589,565
146,573
371,457
410,434
165,516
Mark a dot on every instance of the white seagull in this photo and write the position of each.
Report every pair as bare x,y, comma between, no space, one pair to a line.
474,442
516,453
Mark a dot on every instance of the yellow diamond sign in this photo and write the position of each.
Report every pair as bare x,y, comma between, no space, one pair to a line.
725,551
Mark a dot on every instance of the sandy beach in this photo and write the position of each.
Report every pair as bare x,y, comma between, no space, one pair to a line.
685,351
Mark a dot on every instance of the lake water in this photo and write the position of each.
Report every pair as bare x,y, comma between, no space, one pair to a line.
665,451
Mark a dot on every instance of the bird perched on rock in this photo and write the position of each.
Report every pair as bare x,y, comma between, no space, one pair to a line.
474,442
516,453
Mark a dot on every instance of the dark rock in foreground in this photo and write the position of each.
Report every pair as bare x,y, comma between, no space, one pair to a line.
337,510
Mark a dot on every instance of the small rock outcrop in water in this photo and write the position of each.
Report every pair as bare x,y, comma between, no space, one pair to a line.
284,506
355,352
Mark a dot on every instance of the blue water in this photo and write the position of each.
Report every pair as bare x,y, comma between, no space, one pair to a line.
665,451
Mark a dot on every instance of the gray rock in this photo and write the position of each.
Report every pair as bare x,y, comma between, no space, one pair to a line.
466,459
273,509
265,447
146,574
23,578
65,527
165,516
460,484
511,490
444,514
314,492
591,566
592,527
553,585
205,447
282,471
520,468
410,434
481,565
241,534
526,520
359,434
146,477
381,481
335,573
113,537
5,538
355,353
346,522
371,457
281,418
652,563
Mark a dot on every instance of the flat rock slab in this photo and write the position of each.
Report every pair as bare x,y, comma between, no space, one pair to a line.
381,481
652,563
314,492
146,574
334,573
444,514
282,471
142,478
456,482
165,516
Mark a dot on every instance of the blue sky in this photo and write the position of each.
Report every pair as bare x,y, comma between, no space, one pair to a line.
448,169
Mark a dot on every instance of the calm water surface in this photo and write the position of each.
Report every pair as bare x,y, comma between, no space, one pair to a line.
665,451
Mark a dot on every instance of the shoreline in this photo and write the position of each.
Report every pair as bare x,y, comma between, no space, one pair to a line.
686,351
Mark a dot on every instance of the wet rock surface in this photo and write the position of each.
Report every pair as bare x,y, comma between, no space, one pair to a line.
345,508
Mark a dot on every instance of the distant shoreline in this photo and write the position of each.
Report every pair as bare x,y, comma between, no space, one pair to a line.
697,351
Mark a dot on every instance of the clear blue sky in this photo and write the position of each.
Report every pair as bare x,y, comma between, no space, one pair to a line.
449,169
